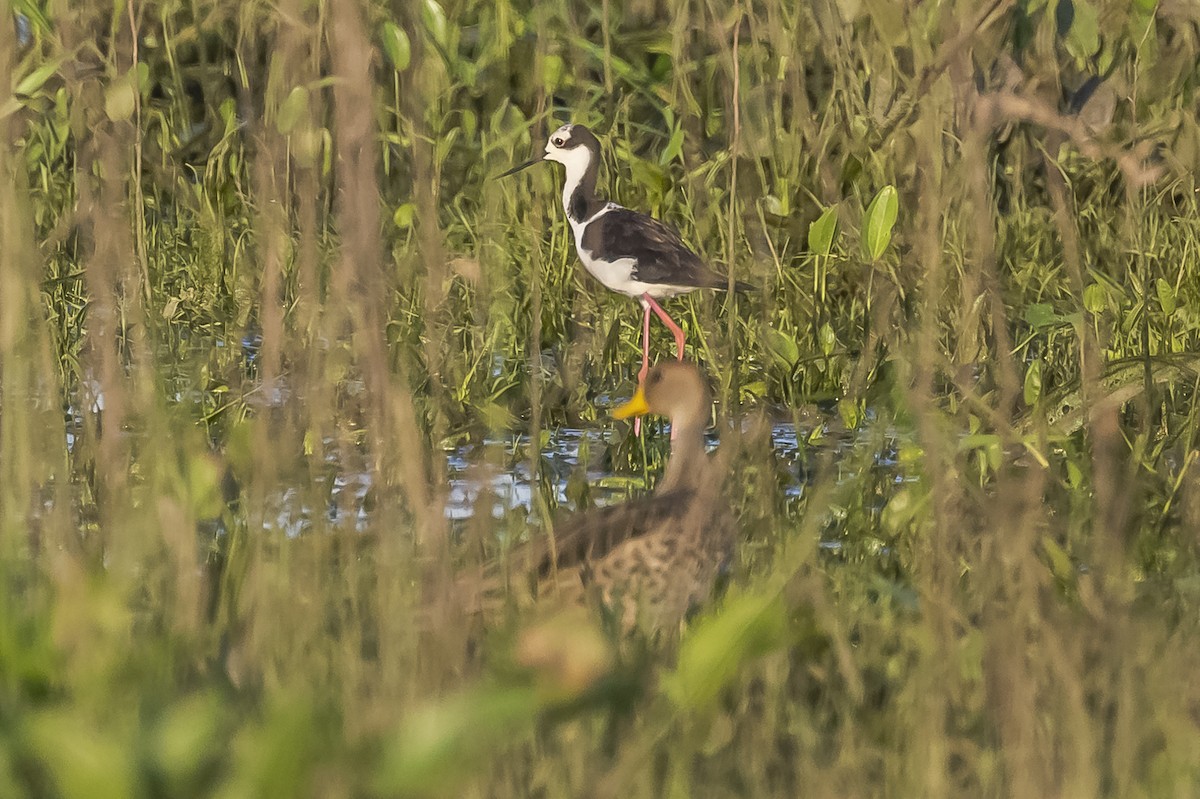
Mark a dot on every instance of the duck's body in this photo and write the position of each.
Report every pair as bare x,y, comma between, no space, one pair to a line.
651,560
628,252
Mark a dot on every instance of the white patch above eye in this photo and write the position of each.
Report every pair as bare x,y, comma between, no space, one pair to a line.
559,137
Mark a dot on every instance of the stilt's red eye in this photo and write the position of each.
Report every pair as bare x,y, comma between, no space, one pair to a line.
557,141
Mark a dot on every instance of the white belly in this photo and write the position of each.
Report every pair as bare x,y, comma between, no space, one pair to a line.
615,275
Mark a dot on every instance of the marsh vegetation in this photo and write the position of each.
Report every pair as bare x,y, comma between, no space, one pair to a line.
279,359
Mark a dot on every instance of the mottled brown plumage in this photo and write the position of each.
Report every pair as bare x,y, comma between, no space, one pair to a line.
652,559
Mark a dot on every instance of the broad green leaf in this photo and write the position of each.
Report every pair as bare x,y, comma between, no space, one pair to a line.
495,416
121,98
783,347
185,740
1095,298
83,761
827,339
901,509
36,79
674,147
403,216
879,221
427,754
307,142
756,389
719,646
1083,39
648,175
1060,561
1033,381
205,474
292,110
552,71
820,232
849,411
1166,296
227,110
396,45
434,17
1041,314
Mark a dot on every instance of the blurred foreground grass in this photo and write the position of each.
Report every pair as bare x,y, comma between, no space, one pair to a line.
256,288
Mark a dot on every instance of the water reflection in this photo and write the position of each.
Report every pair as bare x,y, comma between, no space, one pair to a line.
497,467
494,478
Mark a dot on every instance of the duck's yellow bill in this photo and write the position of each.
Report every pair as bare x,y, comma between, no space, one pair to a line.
635,407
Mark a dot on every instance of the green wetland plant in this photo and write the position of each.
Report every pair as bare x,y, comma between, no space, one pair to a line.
265,315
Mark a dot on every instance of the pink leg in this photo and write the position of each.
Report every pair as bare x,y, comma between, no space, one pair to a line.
675,329
645,343
637,421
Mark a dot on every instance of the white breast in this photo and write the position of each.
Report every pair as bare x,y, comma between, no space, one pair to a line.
615,275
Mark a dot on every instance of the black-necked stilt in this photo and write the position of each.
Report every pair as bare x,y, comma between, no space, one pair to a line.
630,253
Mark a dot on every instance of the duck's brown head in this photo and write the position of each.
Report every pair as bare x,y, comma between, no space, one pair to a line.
674,390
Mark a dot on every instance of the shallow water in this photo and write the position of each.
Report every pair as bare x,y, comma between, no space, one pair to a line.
493,476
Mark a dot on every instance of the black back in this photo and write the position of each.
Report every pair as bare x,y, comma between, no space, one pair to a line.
662,257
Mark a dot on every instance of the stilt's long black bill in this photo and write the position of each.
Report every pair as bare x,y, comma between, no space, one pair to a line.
517,169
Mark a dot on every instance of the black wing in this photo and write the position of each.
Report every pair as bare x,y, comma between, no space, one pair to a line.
661,255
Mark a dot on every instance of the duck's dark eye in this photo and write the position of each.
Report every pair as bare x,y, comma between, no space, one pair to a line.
655,377
557,141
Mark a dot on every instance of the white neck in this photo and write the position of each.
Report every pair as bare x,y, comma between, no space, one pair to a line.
576,161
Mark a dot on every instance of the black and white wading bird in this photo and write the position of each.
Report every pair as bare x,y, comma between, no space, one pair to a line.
630,253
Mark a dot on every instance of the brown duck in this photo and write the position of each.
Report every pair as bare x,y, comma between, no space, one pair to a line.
648,561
